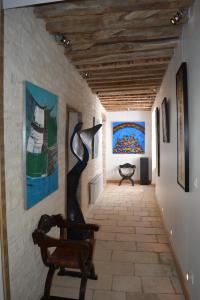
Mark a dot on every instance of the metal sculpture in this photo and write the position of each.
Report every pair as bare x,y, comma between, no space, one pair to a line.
80,145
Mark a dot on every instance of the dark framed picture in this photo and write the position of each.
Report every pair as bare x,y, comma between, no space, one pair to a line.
157,116
165,121
182,128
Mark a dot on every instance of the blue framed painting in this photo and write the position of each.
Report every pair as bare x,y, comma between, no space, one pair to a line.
41,146
128,137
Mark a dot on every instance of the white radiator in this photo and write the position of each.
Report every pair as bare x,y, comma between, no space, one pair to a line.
95,188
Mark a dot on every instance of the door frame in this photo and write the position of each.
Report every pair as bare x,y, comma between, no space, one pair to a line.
3,223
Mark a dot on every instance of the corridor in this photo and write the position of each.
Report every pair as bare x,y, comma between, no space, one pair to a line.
132,256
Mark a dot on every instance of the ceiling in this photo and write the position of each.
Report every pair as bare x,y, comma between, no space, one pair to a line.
121,47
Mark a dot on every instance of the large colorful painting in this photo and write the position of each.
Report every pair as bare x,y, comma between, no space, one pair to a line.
41,144
182,128
128,137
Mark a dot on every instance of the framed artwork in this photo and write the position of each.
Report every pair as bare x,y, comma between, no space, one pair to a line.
157,115
165,120
95,142
182,128
40,144
128,137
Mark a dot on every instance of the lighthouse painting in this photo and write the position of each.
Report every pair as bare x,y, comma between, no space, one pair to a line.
41,144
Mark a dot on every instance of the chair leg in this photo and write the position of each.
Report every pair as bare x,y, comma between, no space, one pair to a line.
83,287
48,283
92,274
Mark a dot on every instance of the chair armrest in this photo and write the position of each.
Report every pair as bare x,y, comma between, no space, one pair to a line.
43,240
63,223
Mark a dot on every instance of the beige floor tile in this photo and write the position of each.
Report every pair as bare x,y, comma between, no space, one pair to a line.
176,284
162,239
153,247
126,283
104,282
105,236
135,257
136,238
114,268
146,230
118,229
70,292
171,297
137,296
166,258
134,223
102,254
153,270
157,285
115,245
109,295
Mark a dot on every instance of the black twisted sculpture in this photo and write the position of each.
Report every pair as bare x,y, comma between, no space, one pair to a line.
80,145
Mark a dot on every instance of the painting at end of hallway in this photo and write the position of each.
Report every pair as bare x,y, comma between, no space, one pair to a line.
41,148
128,137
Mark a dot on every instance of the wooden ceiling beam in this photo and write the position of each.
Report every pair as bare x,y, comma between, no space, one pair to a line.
114,21
123,64
124,79
123,57
115,48
79,8
143,69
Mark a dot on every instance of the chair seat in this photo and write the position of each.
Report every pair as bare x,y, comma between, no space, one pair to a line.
65,257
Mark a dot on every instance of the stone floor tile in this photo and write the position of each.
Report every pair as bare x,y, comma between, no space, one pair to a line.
136,238
166,258
147,230
162,239
135,257
102,254
126,283
114,268
109,295
176,284
104,282
171,297
151,219
115,245
153,247
118,229
134,223
137,296
105,236
157,285
153,270
70,292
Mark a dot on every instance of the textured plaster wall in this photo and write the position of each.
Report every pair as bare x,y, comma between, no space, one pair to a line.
31,54
114,160
181,210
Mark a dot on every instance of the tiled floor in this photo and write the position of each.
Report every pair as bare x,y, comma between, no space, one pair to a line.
132,256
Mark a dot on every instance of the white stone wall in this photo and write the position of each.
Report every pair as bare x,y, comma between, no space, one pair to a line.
31,54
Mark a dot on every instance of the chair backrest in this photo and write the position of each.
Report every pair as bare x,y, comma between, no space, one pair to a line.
127,166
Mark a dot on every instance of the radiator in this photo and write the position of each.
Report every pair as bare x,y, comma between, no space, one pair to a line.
95,188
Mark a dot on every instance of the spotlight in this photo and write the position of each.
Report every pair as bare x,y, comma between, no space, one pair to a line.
60,38
178,16
85,75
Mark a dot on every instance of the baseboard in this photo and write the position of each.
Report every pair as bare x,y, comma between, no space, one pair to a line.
176,260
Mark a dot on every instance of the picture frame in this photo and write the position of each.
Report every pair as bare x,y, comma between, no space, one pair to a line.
182,128
165,121
157,119
40,144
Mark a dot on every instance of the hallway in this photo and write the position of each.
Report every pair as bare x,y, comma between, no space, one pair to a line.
132,256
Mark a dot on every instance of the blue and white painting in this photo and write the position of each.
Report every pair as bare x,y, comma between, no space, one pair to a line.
128,137
41,144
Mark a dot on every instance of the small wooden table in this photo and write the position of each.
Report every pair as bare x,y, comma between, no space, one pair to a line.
127,175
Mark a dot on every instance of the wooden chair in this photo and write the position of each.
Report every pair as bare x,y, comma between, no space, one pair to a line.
72,254
127,175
